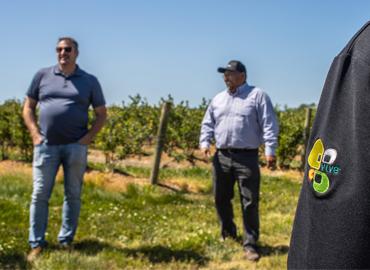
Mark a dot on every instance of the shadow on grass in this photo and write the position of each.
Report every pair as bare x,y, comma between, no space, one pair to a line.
100,167
160,254
185,190
92,247
16,260
155,254
177,190
274,250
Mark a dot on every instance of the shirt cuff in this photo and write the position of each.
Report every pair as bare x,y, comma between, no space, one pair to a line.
269,151
204,145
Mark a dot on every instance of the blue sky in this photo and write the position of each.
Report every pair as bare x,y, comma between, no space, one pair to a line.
160,47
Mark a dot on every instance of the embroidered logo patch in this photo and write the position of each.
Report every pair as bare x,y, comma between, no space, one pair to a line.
321,164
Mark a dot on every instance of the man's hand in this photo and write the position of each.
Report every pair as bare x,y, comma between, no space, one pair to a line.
85,140
36,139
271,162
206,153
100,117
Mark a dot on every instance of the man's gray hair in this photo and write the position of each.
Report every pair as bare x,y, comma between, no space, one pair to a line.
70,39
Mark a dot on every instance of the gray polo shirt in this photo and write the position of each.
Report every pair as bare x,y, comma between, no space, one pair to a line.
64,103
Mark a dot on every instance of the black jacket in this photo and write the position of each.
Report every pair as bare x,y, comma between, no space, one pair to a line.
332,223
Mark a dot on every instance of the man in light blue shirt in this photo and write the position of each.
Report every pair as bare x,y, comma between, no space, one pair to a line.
239,119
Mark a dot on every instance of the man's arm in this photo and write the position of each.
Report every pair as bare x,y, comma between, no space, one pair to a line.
100,117
207,131
29,117
270,128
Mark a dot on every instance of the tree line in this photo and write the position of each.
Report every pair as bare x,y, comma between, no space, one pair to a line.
131,129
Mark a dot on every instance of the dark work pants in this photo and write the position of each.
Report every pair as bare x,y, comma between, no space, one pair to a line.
241,167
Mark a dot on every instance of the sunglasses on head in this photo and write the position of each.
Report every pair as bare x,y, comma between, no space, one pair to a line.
66,49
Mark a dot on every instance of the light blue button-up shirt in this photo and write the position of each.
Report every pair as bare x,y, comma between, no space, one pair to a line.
243,119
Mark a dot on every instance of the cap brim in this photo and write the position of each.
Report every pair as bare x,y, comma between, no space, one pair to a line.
221,69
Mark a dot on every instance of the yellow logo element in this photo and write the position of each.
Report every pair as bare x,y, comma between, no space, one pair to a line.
321,163
311,174
314,159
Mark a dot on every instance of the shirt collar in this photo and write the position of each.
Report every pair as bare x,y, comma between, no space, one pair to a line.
239,90
77,72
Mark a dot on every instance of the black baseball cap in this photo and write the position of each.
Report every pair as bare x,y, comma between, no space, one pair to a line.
233,65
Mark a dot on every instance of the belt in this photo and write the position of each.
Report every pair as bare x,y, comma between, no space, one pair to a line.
237,150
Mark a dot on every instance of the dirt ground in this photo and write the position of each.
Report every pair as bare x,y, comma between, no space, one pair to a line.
109,181
147,161
119,182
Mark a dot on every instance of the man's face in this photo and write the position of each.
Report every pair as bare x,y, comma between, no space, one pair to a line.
233,79
66,52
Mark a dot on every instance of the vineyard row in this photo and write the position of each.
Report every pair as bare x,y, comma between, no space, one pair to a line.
131,128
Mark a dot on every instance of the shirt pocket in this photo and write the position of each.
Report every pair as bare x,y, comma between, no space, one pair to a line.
243,118
240,120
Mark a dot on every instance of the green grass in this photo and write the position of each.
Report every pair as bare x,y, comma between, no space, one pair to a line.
165,173
146,227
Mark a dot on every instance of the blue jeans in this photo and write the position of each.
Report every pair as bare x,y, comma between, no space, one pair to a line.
46,162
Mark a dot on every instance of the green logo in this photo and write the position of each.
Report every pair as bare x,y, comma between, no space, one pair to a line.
321,164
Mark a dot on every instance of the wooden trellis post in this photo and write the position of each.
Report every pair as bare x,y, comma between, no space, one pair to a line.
306,135
160,142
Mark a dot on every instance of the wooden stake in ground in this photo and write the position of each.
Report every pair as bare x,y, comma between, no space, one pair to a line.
306,135
160,142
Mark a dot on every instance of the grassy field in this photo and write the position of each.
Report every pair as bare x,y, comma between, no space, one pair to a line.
132,225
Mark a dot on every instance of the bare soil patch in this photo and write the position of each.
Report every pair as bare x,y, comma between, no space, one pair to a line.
109,181
119,182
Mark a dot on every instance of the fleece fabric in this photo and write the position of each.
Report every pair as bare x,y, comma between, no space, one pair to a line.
332,224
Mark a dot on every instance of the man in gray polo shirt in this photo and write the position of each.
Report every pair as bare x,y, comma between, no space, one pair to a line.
64,93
